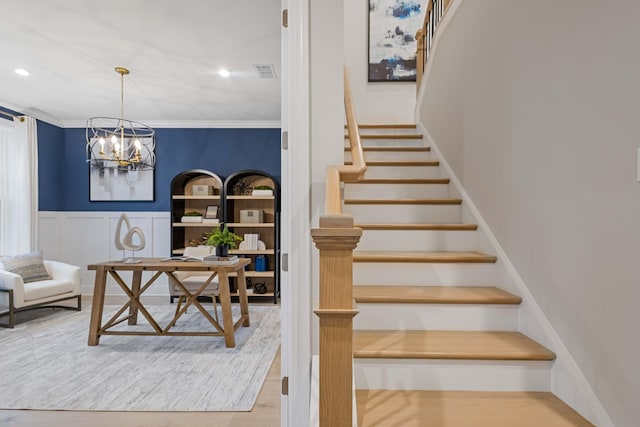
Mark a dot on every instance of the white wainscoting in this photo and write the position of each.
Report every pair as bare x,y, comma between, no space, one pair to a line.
83,238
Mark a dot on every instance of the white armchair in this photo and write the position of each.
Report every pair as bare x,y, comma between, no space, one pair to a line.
193,280
15,296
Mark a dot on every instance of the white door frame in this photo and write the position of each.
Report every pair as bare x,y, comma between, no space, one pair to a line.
295,241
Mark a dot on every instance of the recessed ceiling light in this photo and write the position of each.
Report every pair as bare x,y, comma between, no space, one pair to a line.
21,72
224,72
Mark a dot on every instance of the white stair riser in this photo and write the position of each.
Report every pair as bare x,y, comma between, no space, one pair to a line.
409,214
462,375
387,131
389,156
403,172
417,240
391,273
396,191
389,142
449,317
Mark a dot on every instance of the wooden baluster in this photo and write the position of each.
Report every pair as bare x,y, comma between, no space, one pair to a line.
336,239
420,59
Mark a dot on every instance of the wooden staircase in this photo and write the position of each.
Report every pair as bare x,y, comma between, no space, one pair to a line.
436,342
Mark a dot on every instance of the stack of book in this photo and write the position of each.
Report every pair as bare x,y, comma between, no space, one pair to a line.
220,260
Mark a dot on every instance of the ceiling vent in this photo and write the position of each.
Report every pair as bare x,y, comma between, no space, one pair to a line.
265,71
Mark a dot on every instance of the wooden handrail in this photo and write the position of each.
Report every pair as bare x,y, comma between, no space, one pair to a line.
356,171
336,238
436,9
345,173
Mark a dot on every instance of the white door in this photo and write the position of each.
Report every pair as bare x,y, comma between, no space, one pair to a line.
285,239
295,241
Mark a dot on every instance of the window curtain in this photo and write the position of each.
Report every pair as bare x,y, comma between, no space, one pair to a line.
21,188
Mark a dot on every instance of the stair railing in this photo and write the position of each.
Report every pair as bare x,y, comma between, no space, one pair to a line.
435,11
336,238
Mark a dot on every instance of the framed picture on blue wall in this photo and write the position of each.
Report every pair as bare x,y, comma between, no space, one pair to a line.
393,25
120,183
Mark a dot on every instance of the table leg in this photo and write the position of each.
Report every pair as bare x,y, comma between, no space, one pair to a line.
97,306
225,304
135,289
242,297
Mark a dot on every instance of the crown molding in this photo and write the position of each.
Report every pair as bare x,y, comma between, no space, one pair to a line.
174,124
8,106
191,124
32,112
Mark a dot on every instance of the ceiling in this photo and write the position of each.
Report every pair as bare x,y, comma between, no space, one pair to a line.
173,49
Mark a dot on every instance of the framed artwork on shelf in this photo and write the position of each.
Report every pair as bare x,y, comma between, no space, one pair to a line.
120,184
212,212
393,25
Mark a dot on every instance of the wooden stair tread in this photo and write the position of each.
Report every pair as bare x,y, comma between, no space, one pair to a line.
417,227
403,181
394,149
388,136
402,201
386,126
433,295
414,256
400,163
461,345
392,408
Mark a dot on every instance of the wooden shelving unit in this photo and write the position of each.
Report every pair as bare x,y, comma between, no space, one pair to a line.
238,197
184,200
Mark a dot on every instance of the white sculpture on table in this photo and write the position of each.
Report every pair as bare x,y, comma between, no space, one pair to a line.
127,242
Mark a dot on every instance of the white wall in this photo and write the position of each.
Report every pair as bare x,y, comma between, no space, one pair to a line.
535,106
84,238
379,102
327,114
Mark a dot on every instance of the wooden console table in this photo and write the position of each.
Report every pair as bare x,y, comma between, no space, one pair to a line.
136,288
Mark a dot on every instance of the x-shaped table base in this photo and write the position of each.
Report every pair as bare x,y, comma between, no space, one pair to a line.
136,289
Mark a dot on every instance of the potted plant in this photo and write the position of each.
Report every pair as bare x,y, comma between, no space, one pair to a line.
223,239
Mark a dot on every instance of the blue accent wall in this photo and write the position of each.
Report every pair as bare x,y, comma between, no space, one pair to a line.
64,174
52,165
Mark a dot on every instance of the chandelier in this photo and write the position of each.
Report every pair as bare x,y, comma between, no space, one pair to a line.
119,143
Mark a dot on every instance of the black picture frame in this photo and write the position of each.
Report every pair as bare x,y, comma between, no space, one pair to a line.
211,212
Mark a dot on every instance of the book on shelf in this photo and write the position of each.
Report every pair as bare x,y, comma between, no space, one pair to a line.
210,221
220,260
191,219
182,258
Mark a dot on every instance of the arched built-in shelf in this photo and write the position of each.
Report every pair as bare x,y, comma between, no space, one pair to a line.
265,222
195,190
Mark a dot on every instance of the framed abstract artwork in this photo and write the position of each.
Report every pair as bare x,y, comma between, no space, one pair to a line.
393,25
108,184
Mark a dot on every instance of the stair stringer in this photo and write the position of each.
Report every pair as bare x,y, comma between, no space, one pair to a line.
567,380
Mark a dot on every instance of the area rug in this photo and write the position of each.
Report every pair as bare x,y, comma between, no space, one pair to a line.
46,364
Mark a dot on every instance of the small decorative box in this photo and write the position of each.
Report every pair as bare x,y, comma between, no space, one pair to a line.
202,190
251,216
